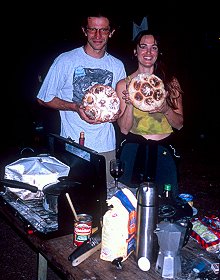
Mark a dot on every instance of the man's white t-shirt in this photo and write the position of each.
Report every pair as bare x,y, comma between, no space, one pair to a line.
70,75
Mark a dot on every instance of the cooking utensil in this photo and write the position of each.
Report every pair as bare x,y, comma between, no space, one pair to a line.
85,250
16,184
72,207
51,192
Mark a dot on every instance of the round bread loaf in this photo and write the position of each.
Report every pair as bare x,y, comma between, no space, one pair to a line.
146,92
101,103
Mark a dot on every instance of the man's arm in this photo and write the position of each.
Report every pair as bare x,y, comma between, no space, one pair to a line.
59,104
62,105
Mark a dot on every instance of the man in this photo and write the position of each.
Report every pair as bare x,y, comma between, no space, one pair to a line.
75,71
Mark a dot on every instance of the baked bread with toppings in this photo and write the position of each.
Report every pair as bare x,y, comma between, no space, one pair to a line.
101,103
146,92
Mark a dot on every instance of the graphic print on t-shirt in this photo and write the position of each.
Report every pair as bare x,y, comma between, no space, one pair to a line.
84,78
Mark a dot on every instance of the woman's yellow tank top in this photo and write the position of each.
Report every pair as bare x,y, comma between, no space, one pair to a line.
145,123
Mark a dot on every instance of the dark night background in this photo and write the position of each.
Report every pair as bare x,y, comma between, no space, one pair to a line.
35,35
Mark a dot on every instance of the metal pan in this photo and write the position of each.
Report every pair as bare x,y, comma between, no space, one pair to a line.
51,192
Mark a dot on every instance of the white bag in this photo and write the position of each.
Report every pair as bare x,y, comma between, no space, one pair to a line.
119,226
36,171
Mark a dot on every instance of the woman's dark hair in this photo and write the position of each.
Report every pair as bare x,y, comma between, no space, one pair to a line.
161,70
142,33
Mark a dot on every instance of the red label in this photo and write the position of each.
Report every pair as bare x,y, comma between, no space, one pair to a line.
82,232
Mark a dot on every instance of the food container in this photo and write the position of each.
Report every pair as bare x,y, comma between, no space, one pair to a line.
187,198
82,229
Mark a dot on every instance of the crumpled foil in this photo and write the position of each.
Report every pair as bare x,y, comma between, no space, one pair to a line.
36,171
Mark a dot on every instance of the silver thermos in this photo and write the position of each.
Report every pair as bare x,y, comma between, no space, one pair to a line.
147,216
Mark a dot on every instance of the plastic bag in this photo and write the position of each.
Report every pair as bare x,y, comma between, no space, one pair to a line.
205,235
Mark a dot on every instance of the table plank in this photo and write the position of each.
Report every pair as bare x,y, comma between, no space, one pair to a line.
57,250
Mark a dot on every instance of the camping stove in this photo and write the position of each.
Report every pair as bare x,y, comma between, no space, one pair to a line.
31,212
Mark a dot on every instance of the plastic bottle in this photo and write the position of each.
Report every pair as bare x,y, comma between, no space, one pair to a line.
82,138
167,191
167,208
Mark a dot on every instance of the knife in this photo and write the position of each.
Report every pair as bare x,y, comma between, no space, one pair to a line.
85,250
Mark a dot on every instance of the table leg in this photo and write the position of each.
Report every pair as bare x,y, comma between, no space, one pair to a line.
42,267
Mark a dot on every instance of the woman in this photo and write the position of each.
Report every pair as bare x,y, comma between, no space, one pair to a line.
146,135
